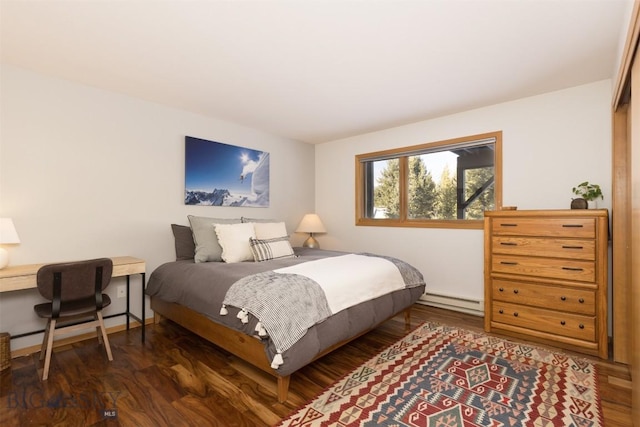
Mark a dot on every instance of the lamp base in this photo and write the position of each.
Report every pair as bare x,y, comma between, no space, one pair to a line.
311,242
4,258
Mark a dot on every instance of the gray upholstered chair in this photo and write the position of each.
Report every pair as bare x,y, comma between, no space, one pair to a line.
74,290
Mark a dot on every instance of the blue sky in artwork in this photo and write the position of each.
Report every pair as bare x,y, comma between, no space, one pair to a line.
210,165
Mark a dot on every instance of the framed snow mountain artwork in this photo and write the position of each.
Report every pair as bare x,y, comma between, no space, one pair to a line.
219,174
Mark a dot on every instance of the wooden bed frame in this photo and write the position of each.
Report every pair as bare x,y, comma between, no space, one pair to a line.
237,343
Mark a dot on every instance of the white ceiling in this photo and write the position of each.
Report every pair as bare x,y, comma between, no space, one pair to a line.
318,70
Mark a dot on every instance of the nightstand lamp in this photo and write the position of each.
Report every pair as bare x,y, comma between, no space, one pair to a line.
311,224
8,235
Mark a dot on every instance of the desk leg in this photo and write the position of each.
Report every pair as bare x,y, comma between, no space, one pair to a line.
128,308
128,312
143,305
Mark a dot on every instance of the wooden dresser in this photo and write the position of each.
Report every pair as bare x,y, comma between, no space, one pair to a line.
545,277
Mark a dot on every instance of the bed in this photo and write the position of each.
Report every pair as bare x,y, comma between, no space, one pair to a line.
224,302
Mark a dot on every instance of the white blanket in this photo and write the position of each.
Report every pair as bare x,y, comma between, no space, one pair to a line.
368,278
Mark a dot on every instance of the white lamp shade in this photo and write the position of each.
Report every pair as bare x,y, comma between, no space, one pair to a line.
8,233
311,224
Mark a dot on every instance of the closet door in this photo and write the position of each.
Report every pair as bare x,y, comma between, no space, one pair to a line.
634,118
626,210
620,239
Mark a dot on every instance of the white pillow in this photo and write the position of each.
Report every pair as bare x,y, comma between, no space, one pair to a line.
270,230
207,247
234,240
264,250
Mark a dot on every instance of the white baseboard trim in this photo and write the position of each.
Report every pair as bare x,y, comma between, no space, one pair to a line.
450,302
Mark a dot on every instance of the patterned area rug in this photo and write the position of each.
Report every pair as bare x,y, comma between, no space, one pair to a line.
449,377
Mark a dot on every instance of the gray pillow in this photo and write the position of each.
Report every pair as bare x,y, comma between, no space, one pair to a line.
183,241
207,247
245,219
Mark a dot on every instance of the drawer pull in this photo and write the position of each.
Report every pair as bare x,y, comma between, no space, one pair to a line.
501,289
515,314
581,300
562,322
572,225
581,326
563,298
508,244
573,268
501,311
515,291
508,225
508,263
572,247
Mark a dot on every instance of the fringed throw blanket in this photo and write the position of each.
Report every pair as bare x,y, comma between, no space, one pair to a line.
290,300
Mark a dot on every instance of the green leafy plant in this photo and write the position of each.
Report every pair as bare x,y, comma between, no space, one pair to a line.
588,191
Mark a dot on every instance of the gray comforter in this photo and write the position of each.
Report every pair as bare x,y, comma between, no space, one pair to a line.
202,287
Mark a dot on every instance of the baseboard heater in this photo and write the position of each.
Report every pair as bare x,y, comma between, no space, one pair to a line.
450,302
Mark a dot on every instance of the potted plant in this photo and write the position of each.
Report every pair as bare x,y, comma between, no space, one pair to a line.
587,193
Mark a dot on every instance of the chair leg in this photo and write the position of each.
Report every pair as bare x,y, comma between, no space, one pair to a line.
104,335
98,331
47,361
43,348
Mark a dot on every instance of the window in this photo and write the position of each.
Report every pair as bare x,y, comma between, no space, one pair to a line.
441,184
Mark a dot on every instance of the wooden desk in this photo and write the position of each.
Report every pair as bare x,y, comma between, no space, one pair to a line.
19,277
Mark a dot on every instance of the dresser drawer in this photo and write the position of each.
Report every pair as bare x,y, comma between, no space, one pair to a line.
568,269
535,246
546,227
559,298
539,319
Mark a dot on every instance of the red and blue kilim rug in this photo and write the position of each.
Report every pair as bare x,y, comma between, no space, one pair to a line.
441,376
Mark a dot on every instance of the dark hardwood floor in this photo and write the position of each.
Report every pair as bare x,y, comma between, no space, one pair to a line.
179,379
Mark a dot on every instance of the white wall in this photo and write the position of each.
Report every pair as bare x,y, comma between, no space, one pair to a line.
550,143
87,173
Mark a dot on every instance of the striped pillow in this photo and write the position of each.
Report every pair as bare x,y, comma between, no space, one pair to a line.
266,249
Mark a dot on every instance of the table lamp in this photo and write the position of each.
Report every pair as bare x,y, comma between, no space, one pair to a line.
8,235
311,224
